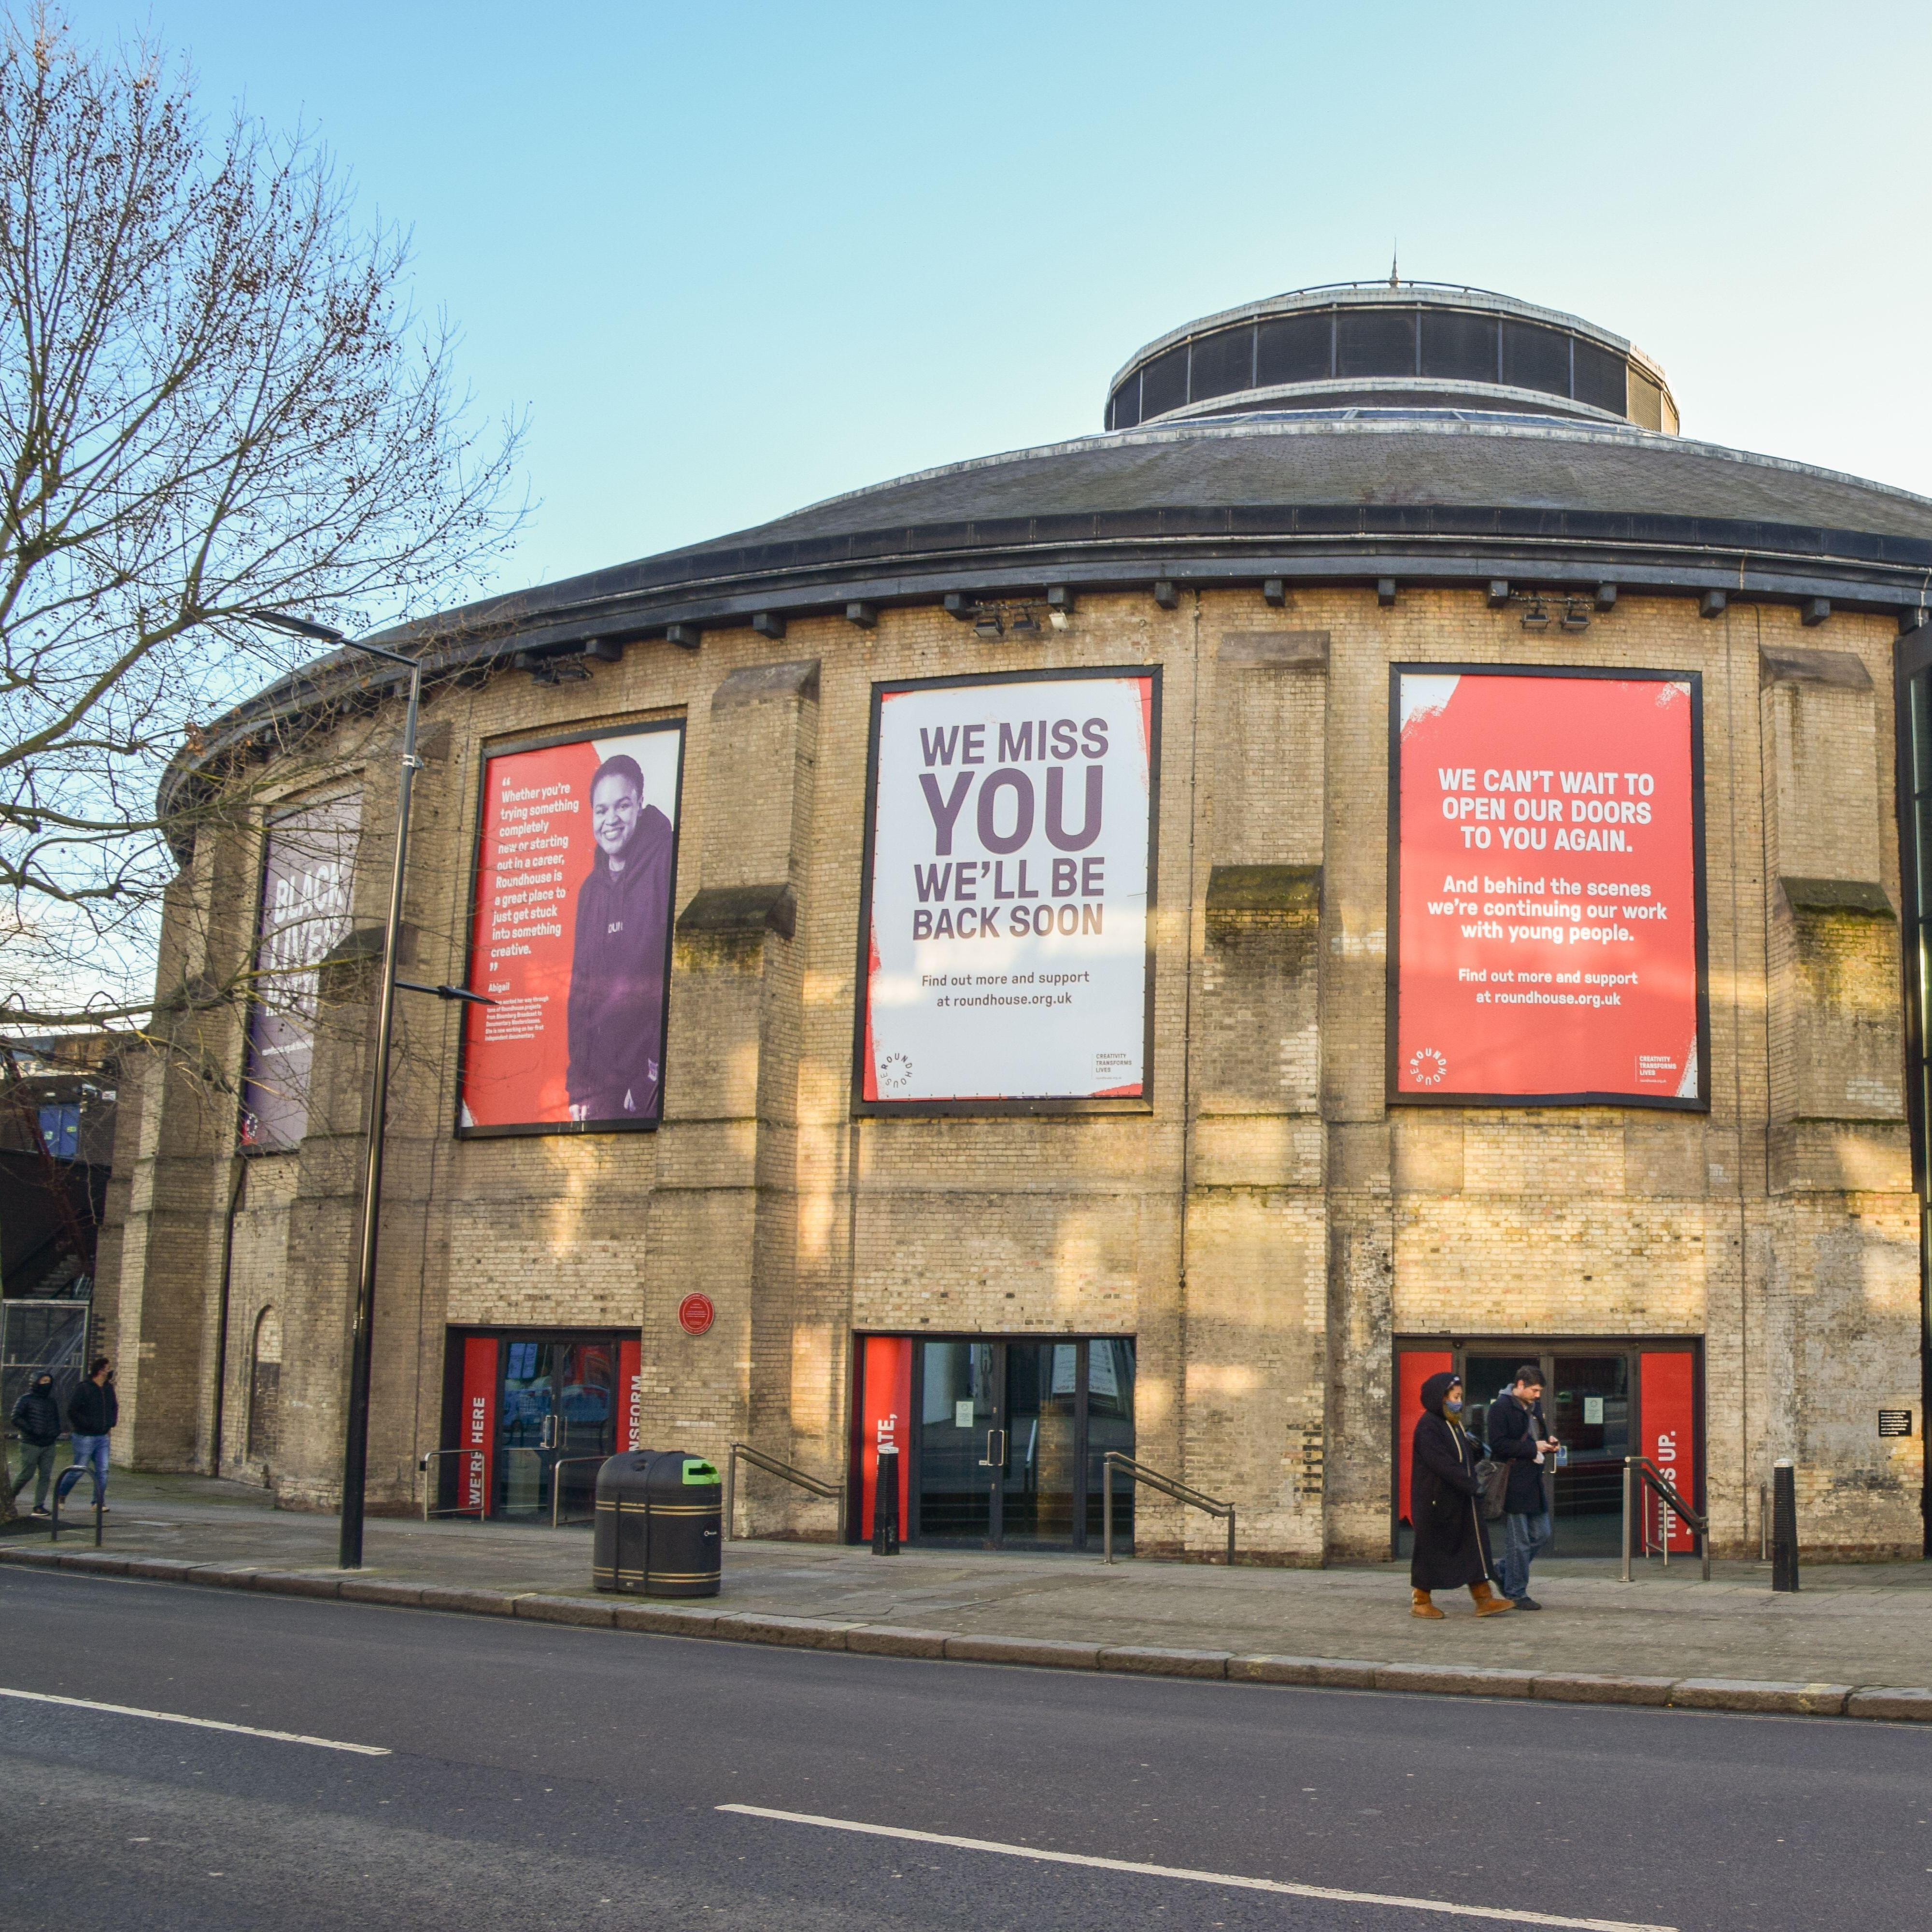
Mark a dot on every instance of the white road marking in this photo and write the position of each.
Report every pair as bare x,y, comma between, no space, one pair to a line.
1233,1879
200,1724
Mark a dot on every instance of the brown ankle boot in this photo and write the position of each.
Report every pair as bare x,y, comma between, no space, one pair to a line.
1488,1604
1422,1606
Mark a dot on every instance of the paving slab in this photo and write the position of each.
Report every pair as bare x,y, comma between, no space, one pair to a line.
1863,1631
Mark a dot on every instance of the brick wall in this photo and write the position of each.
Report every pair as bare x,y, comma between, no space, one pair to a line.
1265,1228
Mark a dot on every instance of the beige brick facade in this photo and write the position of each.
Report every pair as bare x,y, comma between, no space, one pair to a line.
1265,1228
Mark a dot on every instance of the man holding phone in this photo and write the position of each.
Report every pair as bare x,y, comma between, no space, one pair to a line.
1520,1436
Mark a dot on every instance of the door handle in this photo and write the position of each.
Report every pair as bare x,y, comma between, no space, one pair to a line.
994,1459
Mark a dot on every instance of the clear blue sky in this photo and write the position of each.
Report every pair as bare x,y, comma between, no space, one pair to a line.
735,258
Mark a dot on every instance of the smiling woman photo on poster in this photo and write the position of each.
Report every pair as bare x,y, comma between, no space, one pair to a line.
617,964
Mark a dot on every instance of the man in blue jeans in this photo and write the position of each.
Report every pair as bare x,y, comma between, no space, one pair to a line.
1518,1436
92,1411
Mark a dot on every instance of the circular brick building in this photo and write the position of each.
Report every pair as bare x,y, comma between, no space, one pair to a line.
1386,857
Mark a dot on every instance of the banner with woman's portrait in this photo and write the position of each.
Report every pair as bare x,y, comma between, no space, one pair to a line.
570,937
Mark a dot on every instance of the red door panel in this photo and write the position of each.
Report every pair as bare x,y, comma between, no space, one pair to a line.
1413,1367
885,1405
1668,1391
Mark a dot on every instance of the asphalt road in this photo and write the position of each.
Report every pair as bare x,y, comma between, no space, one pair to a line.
539,1777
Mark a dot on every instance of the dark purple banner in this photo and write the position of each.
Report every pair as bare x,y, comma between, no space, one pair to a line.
307,877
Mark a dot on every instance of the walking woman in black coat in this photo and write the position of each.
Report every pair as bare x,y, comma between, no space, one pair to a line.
1452,1548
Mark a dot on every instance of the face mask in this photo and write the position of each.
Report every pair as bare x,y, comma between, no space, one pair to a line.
1452,1405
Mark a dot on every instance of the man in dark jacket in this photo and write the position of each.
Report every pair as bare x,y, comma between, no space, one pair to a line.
37,1416
92,1411
1452,1548
617,967
1520,1436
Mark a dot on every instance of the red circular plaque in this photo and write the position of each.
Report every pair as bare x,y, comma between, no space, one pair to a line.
695,1314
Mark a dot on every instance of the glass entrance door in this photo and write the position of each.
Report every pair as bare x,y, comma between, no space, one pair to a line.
1040,1476
556,1421
1010,1436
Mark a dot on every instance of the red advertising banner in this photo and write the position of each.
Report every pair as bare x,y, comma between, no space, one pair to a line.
1667,1384
885,1415
1545,897
630,1395
576,872
1413,1367
477,1430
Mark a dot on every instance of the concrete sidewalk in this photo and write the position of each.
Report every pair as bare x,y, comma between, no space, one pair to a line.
1850,1626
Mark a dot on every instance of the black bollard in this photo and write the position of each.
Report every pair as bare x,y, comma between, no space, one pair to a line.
886,1503
1784,1526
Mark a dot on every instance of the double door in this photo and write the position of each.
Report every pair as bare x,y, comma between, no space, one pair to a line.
1588,1403
1008,1445
1602,1400
556,1421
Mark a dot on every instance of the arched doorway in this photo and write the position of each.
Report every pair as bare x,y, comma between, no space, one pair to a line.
264,1386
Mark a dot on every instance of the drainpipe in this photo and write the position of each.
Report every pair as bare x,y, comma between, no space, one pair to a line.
236,1188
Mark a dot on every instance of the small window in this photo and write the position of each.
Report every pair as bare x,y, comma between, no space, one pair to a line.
1223,363
1458,347
1164,383
1376,342
1294,349
1536,359
1127,409
1599,377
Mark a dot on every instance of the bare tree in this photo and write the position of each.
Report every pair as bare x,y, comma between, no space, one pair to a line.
214,398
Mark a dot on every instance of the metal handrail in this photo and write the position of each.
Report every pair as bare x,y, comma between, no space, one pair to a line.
557,1488
772,1466
1640,1469
480,1511
66,1480
1116,1459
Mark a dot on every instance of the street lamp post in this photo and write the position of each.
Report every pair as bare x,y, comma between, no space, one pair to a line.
356,1442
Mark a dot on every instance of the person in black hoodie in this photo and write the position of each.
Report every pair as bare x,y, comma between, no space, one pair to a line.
92,1411
37,1416
617,968
1452,1549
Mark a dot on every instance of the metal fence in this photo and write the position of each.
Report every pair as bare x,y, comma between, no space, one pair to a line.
39,1337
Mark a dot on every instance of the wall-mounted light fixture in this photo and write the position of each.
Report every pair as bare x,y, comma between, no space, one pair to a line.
1574,610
